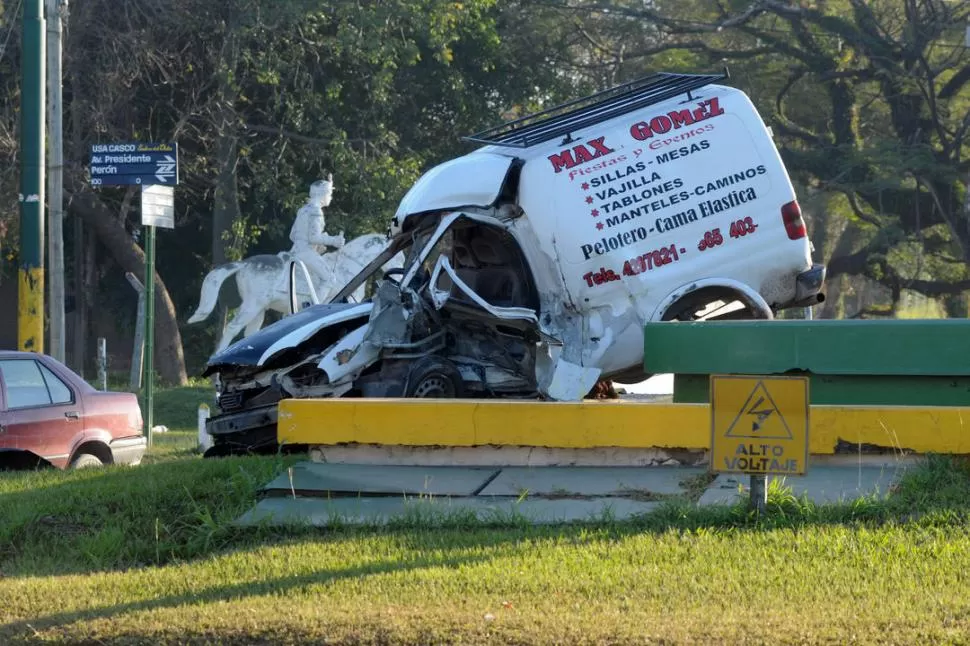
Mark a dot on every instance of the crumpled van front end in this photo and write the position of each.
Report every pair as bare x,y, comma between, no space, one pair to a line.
531,264
460,319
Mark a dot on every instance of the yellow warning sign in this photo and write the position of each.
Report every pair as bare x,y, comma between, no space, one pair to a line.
759,425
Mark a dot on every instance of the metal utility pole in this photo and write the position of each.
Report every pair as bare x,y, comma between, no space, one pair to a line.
56,12
30,288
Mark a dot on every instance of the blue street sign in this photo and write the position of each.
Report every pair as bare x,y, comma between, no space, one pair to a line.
161,165
134,163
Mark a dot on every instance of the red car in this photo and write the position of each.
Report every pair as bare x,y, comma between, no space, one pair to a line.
48,414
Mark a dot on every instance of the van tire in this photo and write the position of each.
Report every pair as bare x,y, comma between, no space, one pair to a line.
434,377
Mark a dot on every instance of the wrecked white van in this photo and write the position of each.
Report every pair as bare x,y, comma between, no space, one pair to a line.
533,262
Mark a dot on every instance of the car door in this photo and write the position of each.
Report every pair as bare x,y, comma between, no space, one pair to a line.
42,413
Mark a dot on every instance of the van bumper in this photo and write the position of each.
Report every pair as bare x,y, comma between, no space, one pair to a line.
242,432
239,422
808,287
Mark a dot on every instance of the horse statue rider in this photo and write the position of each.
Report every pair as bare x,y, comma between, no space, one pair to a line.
308,233
263,281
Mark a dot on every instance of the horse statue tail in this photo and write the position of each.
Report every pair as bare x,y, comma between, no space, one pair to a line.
210,290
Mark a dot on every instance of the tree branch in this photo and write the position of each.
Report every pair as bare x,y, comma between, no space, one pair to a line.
937,287
858,264
280,132
955,84
787,126
699,46
857,208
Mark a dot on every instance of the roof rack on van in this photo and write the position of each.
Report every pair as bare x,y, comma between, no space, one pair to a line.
568,117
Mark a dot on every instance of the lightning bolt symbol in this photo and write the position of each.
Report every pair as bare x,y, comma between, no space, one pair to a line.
762,414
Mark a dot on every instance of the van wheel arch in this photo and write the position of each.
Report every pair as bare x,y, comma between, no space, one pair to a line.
692,298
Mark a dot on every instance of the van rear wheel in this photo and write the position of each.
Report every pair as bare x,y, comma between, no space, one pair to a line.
712,304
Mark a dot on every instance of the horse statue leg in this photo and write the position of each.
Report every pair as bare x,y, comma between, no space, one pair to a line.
255,324
248,318
254,287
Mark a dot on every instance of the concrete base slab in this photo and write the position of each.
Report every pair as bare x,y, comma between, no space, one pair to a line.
382,479
367,494
822,485
590,481
320,512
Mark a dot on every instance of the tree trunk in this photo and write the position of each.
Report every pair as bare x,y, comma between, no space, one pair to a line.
169,357
838,280
89,287
80,299
226,199
226,207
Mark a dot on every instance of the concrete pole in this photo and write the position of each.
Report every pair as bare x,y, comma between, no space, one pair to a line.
205,440
103,363
56,10
30,288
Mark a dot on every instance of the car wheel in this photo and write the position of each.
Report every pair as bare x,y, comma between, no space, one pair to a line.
434,378
86,460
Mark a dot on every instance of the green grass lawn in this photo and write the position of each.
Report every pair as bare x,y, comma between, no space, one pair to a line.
146,555
177,409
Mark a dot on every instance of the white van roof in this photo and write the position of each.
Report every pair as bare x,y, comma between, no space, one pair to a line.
477,178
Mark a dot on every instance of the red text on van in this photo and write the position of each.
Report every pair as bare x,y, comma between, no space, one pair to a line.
675,120
580,154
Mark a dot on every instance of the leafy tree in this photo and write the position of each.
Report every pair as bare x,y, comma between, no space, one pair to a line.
264,97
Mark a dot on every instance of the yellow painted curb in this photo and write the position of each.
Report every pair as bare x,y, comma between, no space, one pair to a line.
592,424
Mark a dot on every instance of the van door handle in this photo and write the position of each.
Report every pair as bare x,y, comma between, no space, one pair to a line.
72,414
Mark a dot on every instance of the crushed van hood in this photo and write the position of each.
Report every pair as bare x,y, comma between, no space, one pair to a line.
473,180
250,351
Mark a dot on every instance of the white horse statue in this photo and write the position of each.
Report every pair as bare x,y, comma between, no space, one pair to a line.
263,283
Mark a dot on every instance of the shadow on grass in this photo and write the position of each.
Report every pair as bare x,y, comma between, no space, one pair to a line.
122,518
935,492
235,591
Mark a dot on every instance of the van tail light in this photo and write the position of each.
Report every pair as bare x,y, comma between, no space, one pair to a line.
791,214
